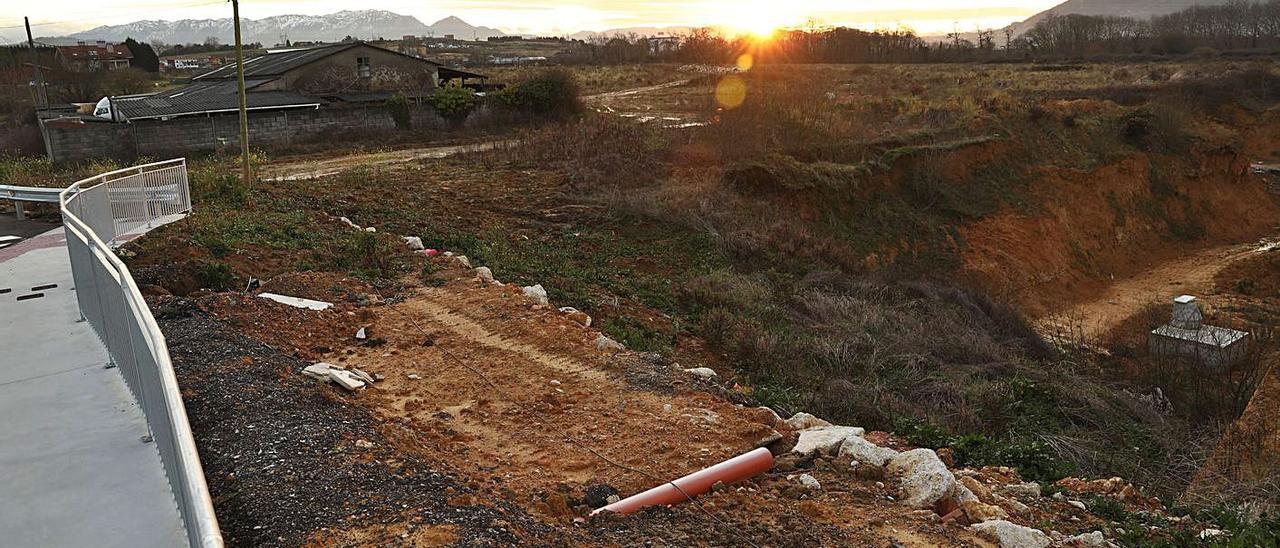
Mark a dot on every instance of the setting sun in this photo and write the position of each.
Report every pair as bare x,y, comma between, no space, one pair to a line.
759,18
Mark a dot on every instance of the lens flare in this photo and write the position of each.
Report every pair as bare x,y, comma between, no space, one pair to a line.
731,92
745,62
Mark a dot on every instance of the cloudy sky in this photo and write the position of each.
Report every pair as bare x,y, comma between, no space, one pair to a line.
550,16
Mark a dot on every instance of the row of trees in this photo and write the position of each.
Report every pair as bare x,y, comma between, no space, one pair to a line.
1232,26
1236,25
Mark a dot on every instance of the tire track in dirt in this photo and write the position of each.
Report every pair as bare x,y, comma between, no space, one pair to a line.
1091,321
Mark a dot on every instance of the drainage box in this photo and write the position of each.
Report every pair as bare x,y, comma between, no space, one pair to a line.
1186,336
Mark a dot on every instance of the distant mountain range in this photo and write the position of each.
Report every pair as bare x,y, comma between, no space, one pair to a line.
365,24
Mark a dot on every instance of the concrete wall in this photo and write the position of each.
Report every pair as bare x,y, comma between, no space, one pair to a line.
69,140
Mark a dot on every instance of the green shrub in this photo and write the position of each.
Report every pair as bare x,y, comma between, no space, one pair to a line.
553,94
454,102
398,106
216,276
1034,460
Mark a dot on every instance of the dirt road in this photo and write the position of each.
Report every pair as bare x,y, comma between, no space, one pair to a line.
292,169
1193,273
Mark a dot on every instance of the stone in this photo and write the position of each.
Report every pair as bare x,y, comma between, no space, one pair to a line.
865,452
924,479
978,488
1094,539
1078,504
484,274
1012,535
346,379
960,493
362,333
803,421
414,243
809,482
1012,504
1028,490
413,376
825,440
462,260
605,343
702,372
978,512
536,293
370,229
776,419
318,371
364,444
576,315
1211,533
348,222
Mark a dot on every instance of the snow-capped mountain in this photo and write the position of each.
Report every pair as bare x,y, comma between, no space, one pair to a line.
364,24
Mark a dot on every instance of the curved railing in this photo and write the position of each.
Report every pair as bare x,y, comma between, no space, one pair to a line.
106,210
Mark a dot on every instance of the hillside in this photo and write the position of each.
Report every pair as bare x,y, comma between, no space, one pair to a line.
332,27
1137,9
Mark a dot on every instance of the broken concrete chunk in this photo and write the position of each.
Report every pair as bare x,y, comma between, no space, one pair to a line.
803,421
537,294
414,243
1012,535
702,372
605,343
924,479
362,375
346,379
296,302
825,440
484,274
318,371
362,333
865,452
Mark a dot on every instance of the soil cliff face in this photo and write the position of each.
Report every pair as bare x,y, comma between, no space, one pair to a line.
1093,226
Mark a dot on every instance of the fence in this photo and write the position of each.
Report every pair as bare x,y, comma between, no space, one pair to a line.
104,210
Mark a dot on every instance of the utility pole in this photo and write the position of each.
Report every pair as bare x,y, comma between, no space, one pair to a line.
42,96
245,174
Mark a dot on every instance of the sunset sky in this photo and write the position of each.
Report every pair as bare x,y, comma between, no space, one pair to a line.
552,16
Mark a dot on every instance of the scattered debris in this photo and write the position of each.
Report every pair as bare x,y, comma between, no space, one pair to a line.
296,302
825,440
809,482
605,343
537,294
577,315
1012,535
348,222
414,243
865,452
362,375
805,421
924,479
702,372
362,334
346,379
319,371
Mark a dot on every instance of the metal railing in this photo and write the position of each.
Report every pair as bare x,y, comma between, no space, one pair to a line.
19,194
96,213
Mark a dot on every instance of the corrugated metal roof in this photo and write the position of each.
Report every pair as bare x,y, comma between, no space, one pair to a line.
274,64
206,97
1209,335
119,52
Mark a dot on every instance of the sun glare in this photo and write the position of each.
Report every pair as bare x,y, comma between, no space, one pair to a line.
757,18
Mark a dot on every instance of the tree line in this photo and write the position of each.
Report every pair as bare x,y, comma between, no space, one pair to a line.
1234,26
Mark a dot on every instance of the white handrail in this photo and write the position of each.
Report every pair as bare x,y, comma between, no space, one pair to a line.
110,301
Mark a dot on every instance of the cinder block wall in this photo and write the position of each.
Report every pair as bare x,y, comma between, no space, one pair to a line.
73,140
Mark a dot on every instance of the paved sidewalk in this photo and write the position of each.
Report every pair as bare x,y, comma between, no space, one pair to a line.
73,469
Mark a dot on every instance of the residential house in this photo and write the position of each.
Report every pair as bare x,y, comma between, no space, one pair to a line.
85,57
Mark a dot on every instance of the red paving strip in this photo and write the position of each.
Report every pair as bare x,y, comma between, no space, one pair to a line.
53,238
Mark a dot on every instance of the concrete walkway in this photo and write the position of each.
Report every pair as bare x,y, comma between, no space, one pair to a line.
74,470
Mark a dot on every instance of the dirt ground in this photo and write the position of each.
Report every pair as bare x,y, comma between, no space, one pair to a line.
513,402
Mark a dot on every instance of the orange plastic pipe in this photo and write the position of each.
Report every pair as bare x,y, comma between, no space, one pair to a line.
733,470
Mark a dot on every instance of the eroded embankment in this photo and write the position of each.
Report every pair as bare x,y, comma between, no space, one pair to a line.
1094,228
